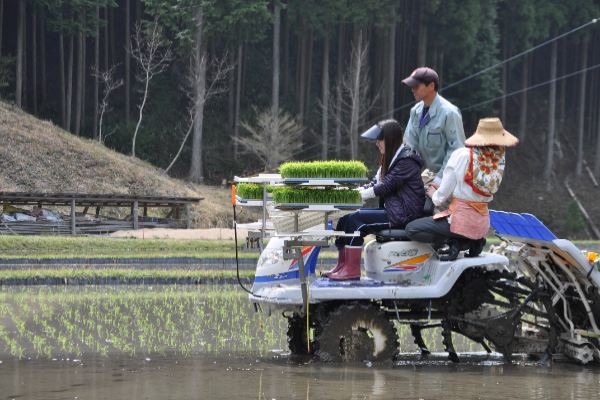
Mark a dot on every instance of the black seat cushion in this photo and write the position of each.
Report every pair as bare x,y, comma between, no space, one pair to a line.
394,234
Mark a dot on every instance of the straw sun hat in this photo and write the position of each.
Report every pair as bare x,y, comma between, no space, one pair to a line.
490,132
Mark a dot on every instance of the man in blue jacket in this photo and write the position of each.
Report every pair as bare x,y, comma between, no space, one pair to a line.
435,128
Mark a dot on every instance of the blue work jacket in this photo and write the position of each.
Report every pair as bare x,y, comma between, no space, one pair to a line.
436,135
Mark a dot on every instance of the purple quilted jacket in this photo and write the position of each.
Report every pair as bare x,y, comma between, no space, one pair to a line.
401,191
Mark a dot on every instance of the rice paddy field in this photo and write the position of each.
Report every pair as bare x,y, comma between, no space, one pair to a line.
181,342
48,322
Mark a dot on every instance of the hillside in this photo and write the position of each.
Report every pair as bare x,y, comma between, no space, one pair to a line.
37,156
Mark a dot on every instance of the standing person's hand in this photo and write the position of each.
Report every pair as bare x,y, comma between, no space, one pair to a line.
431,190
435,185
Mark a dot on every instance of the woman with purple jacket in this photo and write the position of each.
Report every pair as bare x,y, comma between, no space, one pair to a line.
401,197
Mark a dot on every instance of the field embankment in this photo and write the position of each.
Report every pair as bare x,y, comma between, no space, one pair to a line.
37,156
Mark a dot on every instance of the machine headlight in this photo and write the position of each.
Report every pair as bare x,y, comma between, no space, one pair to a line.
269,257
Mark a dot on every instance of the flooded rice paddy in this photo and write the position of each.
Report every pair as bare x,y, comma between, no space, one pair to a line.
207,342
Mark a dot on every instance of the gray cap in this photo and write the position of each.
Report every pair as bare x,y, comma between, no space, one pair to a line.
374,133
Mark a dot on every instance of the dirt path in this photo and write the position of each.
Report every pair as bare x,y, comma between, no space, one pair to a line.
164,233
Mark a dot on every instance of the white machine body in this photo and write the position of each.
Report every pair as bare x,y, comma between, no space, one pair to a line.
394,270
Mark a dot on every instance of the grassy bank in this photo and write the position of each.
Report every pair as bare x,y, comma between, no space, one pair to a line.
118,273
54,247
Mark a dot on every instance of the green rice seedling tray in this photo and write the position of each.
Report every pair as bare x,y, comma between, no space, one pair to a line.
323,169
251,191
307,195
315,181
301,206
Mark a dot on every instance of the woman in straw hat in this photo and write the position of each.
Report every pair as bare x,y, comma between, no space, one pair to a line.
472,176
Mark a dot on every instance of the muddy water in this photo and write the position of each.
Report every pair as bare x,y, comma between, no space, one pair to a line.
206,342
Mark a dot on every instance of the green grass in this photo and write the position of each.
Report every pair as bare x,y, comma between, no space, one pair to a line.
128,254
323,169
308,195
17,244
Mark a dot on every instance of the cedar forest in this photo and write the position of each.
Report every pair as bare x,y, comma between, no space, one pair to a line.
186,84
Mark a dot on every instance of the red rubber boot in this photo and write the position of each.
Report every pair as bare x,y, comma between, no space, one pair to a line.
351,270
340,263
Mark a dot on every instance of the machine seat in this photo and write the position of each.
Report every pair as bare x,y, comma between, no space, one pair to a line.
393,234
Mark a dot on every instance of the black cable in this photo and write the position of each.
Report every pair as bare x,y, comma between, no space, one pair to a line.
237,262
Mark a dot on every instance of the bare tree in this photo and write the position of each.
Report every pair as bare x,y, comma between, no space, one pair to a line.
352,86
271,145
146,50
110,84
220,70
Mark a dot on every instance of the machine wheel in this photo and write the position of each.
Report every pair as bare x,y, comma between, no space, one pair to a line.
356,332
491,305
296,335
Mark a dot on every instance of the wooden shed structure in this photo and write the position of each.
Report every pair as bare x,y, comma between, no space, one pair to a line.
98,201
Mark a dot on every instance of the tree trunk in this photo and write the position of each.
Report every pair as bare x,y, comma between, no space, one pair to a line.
356,92
196,171
24,95
383,99
97,67
1,23
238,89
523,102
79,84
43,56
504,78
551,117
105,40
302,84
299,55
441,70
338,89
34,58
422,39
325,99
19,71
380,55
83,77
597,160
310,46
584,55
391,71
244,66
230,94
61,75
275,87
112,35
590,106
127,60
70,78
138,21
563,84
286,55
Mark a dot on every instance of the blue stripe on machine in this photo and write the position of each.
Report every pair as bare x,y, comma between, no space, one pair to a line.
309,266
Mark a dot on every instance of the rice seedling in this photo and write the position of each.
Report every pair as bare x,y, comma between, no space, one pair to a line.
251,191
323,169
318,196
148,320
